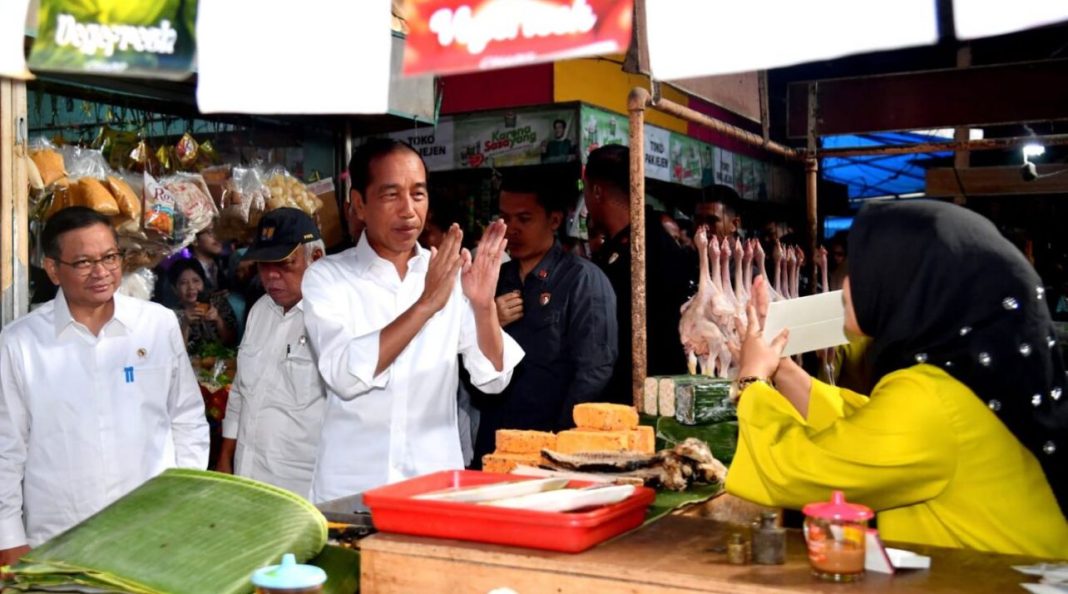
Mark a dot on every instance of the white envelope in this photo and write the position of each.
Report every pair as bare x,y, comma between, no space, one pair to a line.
815,322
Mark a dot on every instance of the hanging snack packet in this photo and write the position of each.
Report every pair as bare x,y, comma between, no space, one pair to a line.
193,200
186,151
160,207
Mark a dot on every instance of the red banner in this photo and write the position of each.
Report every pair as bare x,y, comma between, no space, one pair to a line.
449,36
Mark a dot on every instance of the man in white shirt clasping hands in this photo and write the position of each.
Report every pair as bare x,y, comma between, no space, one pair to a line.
387,319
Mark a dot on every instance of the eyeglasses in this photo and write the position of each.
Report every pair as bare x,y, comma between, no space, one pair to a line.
108,261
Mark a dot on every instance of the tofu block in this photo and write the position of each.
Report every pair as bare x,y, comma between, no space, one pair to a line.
666,396
642,440
650,404
504,463
573,441
668,387
605,417
515,441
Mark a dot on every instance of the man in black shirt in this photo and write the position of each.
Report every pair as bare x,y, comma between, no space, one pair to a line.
559,307
667,268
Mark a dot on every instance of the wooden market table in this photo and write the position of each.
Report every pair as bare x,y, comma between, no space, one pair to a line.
677,554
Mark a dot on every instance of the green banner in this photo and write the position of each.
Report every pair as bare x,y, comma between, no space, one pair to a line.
510,138
600,128
690,159
116,37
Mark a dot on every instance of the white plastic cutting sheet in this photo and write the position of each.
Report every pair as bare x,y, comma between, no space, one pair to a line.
312,56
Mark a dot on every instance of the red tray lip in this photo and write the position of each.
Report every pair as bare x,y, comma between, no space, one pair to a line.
397,497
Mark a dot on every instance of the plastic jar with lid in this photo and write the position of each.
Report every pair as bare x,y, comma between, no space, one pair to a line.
835,533
289,577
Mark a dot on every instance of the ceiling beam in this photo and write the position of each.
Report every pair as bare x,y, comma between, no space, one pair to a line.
975,96
996,181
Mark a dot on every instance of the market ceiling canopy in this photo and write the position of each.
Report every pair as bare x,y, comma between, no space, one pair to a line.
694,38
448,36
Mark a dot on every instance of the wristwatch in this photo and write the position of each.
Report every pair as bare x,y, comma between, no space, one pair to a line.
742,383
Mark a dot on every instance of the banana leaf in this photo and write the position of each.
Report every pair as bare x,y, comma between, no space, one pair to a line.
184,531
722,438
668,501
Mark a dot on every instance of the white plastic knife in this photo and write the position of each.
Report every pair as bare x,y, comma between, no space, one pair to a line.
481,493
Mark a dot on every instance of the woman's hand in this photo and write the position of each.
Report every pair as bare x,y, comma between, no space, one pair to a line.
212,315
757,358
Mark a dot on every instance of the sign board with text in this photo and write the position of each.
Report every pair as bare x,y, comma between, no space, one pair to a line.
449,36
149,39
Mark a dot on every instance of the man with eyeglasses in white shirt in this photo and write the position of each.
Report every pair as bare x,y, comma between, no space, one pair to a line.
97,394
387,319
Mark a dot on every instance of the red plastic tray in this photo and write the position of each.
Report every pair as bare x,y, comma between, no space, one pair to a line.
394,510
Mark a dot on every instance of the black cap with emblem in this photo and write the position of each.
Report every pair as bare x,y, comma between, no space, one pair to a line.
279,234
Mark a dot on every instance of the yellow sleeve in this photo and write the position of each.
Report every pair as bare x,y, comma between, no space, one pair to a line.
891,450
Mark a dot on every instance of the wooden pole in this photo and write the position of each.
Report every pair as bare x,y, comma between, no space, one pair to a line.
636,104
14,201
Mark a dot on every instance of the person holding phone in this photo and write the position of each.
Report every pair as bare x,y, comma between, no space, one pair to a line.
203,319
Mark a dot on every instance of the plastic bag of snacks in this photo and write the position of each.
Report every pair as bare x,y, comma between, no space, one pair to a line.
138,283
161,214
286,190
244,198
193,200
84,162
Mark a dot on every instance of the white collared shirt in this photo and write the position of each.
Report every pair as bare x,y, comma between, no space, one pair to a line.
402,422
85,419
275,410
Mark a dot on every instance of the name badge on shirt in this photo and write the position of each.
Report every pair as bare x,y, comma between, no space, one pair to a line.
129,374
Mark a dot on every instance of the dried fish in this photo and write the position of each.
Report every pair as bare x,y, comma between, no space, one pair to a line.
599,461
689,462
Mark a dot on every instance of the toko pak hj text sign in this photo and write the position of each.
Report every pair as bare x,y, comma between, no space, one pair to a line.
448,36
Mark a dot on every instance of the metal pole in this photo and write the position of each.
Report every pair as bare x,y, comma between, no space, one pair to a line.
983,144
812,181
812,176
670,107
636,103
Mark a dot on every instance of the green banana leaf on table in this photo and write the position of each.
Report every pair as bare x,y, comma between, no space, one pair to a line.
185,531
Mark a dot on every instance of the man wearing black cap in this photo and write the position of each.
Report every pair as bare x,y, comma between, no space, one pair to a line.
275,411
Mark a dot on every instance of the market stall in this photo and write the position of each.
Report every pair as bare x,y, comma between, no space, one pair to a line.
682,553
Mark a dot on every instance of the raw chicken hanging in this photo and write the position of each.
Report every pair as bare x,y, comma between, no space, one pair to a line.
708,327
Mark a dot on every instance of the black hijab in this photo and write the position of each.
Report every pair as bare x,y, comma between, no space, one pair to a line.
937,283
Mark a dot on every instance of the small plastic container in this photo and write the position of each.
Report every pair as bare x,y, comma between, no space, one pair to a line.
289,577
835,534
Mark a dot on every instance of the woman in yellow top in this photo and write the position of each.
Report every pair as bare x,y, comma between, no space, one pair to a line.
963,440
